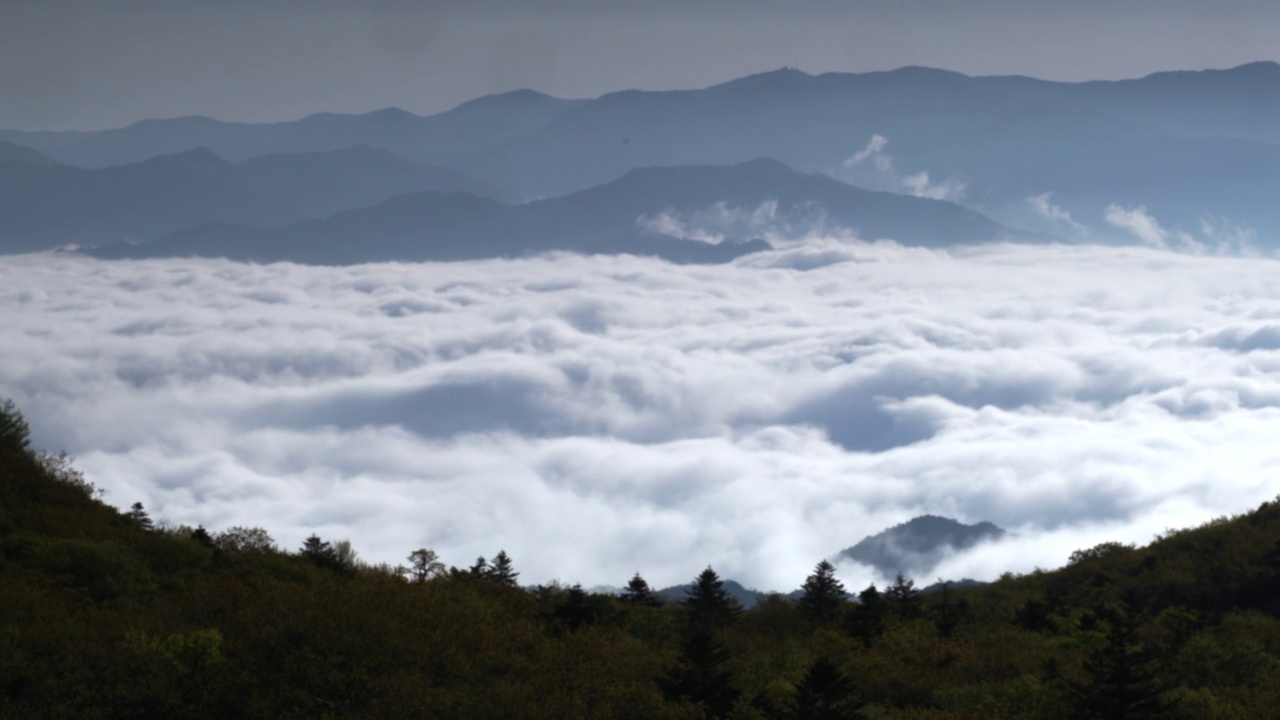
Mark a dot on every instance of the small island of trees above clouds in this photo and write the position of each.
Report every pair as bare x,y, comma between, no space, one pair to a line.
109,613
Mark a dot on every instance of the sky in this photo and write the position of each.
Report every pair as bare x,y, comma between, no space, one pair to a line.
90,64
601,416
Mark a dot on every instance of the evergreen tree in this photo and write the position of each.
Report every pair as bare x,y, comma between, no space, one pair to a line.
479,569
867,621
638,592
203,537
139,515
825,693
576,608
15,434
823,595
903,597
319,552
708,605
502,570
1121,681
700,677
949,611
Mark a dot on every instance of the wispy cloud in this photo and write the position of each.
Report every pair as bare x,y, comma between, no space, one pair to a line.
1219,236
598,416
918,184
1045,208
717,223
1139,223
874,151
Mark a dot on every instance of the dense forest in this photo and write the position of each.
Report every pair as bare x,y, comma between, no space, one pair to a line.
110,614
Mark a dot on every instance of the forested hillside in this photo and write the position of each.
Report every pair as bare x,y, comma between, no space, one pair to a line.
113,614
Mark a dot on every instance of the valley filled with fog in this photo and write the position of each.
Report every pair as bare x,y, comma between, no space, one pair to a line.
598,416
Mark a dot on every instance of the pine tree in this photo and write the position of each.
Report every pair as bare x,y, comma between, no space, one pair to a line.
139,515
867,621
319,552
949,611
825,693
502,570
708,604
479,569
903,597
15,434
639,593
700,677
203,537
1121,679
823,595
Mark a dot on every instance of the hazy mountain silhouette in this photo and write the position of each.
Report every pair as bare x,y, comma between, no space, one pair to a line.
319,184
45,205
622,216
1003,138
10,151
466,128
1189,146
919,544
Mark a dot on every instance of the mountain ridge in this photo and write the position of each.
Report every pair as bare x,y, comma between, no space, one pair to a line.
606,219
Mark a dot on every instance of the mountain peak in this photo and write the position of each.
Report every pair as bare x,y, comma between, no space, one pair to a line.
1261,70
919,544
199,157
507,100
769,80
920,72
391,115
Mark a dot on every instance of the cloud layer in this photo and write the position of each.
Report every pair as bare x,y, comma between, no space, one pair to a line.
599,416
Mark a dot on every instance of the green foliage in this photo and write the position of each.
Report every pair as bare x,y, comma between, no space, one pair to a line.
502,570
1120,680
701,677
825,693
902,597
708,605
638,592
102,618
822,596
15,434
138,514
868,619
424,565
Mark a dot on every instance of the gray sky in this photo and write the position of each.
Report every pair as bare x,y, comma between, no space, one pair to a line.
88,64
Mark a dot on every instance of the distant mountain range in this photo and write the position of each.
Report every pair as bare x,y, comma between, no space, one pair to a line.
44,204
466,128
1198,150
639,213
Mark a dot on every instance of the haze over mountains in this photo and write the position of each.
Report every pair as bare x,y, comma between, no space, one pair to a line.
648,211
1194,155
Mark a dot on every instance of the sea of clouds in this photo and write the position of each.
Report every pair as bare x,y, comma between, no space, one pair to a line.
600,416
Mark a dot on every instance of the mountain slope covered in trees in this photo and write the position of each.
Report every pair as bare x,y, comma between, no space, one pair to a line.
111,614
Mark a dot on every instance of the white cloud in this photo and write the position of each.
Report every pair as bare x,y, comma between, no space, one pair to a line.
599,416
920,186
917,184
875,152
1044,207
1139,223
717,223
